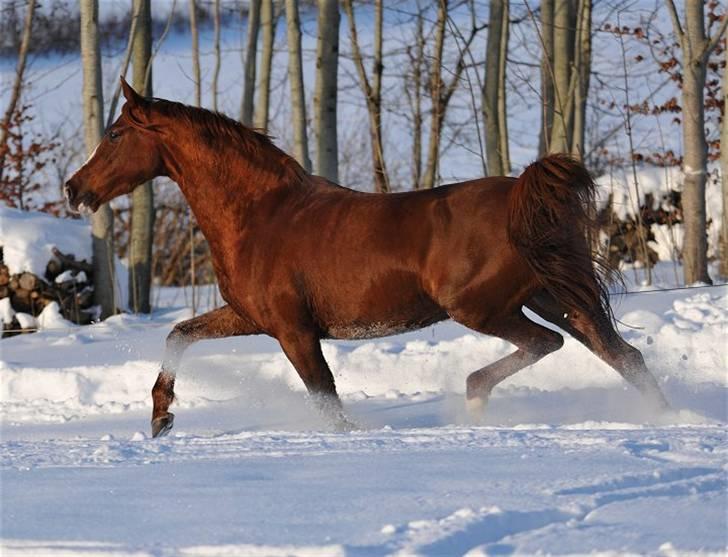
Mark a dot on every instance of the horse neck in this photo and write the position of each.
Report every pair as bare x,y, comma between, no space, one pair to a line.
223,187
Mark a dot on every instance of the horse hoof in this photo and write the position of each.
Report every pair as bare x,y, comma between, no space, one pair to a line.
162,425
343,425
476,409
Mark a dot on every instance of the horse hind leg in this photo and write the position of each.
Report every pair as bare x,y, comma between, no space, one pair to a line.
532,341
595,331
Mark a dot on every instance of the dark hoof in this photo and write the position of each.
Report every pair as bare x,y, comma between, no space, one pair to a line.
162,425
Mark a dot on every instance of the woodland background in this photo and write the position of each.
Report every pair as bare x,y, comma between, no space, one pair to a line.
376,95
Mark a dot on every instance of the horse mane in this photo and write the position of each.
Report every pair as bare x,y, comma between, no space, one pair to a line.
220,132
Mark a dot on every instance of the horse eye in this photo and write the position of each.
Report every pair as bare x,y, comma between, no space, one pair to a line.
113,136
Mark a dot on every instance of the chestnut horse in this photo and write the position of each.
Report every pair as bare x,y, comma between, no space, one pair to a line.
302,259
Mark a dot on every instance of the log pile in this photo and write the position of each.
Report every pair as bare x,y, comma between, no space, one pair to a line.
66,281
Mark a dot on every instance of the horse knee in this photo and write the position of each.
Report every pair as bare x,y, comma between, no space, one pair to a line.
550,342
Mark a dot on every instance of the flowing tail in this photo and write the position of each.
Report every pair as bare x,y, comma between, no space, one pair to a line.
551,223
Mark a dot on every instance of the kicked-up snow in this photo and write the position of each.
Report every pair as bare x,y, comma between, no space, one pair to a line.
568,461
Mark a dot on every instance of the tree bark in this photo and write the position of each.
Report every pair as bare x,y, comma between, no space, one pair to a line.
494,114
216,47
582,69
724,172
295,78
196,76
564,33
18,83
102,221
142,199
547,81
696,48
436,94
251,53
372,91
325,96
268,21
418,61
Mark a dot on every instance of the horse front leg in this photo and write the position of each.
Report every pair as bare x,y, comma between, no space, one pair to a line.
303,350
218,323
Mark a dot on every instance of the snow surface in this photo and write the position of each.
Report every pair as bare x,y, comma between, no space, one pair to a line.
28,238
569,461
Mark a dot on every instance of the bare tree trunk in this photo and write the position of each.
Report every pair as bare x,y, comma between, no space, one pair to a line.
547,81
494,114
562,66
417,61
436,94
696,48
295,77
505,151
268,25
372,91
582,69
196,76
724,173
216,47
251,52
102,221
18,83
325,96
142,199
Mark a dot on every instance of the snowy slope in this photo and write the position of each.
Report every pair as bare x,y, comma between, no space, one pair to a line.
569,461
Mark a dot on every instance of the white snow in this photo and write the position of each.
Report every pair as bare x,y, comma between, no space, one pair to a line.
28,238
569,461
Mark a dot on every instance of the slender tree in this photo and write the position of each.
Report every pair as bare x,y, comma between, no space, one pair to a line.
102,221
268,21
295,78
142,199
251,53
18,81
372,90
216,47
494,90
440,90
696,48
724,171
196,76
564,35
327,64
547,80
582,74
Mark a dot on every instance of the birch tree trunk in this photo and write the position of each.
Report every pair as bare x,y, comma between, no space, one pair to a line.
696,48
251,53
372,91
195,53
494,84
325,96
582,69
561,130
102,221
436,94
295,78
724,172
216,47
17,83
268,27
142,198
547,81
418,61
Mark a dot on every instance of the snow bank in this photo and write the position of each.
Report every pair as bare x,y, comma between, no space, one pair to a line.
658,182
28,238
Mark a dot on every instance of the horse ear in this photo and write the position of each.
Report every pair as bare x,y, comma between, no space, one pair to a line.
132,97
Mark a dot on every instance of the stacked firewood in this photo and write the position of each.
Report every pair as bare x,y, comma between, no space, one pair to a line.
67,281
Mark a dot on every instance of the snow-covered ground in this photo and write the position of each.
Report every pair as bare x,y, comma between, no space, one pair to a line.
569,461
